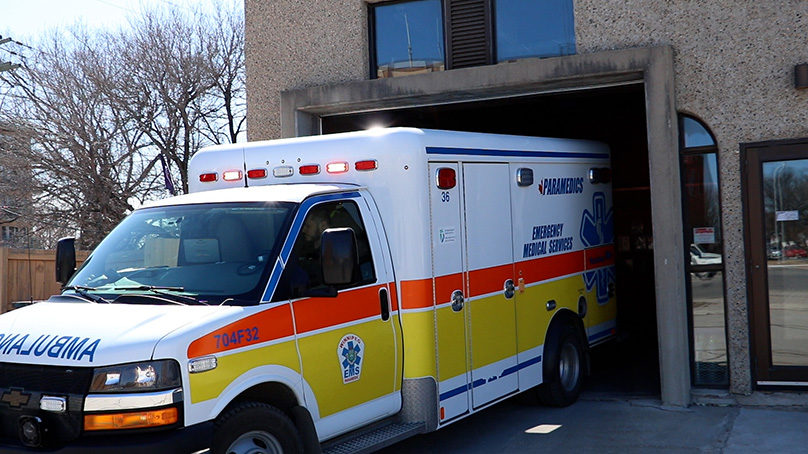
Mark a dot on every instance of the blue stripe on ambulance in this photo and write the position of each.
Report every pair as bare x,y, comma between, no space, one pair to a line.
477,383
600,335
516,153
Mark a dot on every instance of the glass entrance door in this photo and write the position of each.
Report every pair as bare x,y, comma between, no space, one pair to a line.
777,219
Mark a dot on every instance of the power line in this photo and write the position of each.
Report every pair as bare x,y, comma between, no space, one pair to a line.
7,65
115,6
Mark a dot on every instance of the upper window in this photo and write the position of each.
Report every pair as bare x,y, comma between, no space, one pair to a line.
533,28
695,134
417,36
408,38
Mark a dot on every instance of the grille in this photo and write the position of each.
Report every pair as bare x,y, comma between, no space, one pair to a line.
35,381
711,374
51,379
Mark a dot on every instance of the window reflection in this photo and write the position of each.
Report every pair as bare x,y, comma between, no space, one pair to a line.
533,28
695,134
709,336
785,185
408,38
700,194
703,209
788,316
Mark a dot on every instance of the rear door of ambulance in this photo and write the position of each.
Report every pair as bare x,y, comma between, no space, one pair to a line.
472,262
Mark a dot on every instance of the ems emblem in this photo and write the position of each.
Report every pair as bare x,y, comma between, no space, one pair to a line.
350,352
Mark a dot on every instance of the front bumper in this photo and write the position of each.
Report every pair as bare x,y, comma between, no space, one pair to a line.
187,440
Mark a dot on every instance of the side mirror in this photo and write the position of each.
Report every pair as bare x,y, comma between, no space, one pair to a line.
338,254
65,259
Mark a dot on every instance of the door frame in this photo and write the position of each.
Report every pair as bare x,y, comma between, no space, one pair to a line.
753,155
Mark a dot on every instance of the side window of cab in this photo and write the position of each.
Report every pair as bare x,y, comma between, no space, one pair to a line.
303,275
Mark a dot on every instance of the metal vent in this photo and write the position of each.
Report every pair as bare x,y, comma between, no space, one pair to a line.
469,39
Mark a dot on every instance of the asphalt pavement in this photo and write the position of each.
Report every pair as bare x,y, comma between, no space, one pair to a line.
603,423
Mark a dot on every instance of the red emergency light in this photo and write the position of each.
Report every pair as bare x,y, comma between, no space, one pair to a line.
311,169
256,174
208,177
370,164
447,178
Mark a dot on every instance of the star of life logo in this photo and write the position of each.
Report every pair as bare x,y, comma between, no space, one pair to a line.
597,228
350,352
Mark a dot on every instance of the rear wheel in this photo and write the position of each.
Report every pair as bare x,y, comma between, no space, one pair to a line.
255,428
563,380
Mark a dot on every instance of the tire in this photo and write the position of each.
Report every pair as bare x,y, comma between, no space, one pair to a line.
562,385
255,428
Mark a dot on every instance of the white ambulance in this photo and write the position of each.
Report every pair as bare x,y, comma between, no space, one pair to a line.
334,293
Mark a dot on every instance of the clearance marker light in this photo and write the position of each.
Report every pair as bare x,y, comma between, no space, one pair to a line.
283,171
208,177
447,179
231,175
311,169
370,164
257,174
202,364
336,167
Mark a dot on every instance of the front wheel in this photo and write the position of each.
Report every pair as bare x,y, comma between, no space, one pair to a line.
255,428
562,385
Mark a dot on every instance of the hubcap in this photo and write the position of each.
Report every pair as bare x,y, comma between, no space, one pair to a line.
256,442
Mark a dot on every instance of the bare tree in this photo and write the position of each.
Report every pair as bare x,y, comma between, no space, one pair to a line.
185,80
227,121
85,156
101,111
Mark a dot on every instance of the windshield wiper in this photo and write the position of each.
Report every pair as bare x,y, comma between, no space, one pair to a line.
160,290
82,290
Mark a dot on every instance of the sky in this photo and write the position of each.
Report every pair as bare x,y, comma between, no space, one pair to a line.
26,20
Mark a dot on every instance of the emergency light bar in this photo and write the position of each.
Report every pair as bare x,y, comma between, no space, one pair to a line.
332,168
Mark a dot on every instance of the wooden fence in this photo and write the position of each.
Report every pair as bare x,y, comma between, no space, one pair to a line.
27,275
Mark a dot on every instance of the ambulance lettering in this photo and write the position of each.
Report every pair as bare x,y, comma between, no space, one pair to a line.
350,352
547,239
54,346
237,337
561,186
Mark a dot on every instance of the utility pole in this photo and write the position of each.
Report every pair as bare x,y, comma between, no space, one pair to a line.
6,65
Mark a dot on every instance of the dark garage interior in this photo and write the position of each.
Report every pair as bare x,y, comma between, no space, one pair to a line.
615,115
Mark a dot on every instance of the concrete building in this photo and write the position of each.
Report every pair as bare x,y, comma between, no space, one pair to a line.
703,105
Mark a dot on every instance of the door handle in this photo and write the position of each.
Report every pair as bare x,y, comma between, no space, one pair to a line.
384,301
457,300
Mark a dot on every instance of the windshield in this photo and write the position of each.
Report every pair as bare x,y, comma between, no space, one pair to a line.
210,253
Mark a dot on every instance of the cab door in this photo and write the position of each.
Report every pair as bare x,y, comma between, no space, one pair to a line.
349,344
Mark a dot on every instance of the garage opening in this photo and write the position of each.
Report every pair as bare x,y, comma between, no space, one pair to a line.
615,115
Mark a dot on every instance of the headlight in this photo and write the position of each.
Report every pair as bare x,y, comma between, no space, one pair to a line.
146,376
